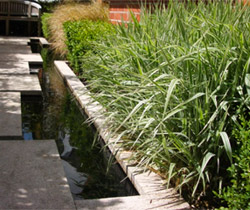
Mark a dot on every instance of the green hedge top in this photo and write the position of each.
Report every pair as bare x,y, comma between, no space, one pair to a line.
82,38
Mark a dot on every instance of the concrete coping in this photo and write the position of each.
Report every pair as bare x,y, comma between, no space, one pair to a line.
41,40
146,183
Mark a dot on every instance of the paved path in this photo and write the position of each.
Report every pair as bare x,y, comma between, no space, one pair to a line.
26,84
31,172
12,48
32,176
15,80
10,67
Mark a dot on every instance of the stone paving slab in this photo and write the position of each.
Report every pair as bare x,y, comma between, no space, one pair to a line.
10,116
14,40
18,57
42,41
142,202
14,67
10,48
32,176
26,84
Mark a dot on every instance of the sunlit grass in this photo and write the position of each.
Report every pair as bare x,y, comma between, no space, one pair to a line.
173,86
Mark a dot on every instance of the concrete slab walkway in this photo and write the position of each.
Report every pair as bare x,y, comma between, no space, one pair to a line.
19,57
32,176
14,40
26,84
15,79
10,67
31,172
11,48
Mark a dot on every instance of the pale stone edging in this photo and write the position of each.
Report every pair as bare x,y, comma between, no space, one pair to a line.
41,40
146,183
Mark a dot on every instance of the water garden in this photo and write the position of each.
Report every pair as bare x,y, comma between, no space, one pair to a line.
57,116
174,87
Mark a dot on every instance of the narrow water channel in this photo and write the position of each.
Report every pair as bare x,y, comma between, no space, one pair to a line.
56,115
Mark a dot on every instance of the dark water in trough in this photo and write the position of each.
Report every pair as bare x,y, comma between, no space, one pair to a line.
57,116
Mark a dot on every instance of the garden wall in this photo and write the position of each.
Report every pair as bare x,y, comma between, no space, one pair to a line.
120,9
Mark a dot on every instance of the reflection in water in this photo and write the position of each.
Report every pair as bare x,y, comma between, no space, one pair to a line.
32,117
56,116
67,147
75,179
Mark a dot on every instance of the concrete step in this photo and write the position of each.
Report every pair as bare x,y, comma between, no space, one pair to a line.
32,176
26,84
14,67
8,48
14,40
10,116
141,202
34,58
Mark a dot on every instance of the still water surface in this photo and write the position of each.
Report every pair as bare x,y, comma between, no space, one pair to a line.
56,116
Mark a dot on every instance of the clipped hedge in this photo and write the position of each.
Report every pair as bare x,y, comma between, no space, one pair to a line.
45,25
82,38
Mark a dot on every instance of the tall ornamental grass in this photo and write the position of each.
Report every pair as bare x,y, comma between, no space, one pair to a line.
173,86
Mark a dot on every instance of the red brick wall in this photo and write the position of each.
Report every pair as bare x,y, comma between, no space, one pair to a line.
120,9
116,15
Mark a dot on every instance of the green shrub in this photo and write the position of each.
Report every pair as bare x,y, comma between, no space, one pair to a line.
45,26
237,195
82,37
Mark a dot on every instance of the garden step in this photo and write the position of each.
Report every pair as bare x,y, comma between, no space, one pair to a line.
10,48
14,67
10,116
34,58
32,176
14,40
26,84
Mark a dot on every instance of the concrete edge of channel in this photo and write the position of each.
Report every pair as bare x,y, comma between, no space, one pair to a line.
146,183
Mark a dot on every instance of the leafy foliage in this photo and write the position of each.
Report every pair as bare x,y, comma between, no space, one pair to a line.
45,26
237,195
81,36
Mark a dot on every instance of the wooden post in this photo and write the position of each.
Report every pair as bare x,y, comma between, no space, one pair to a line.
7,22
